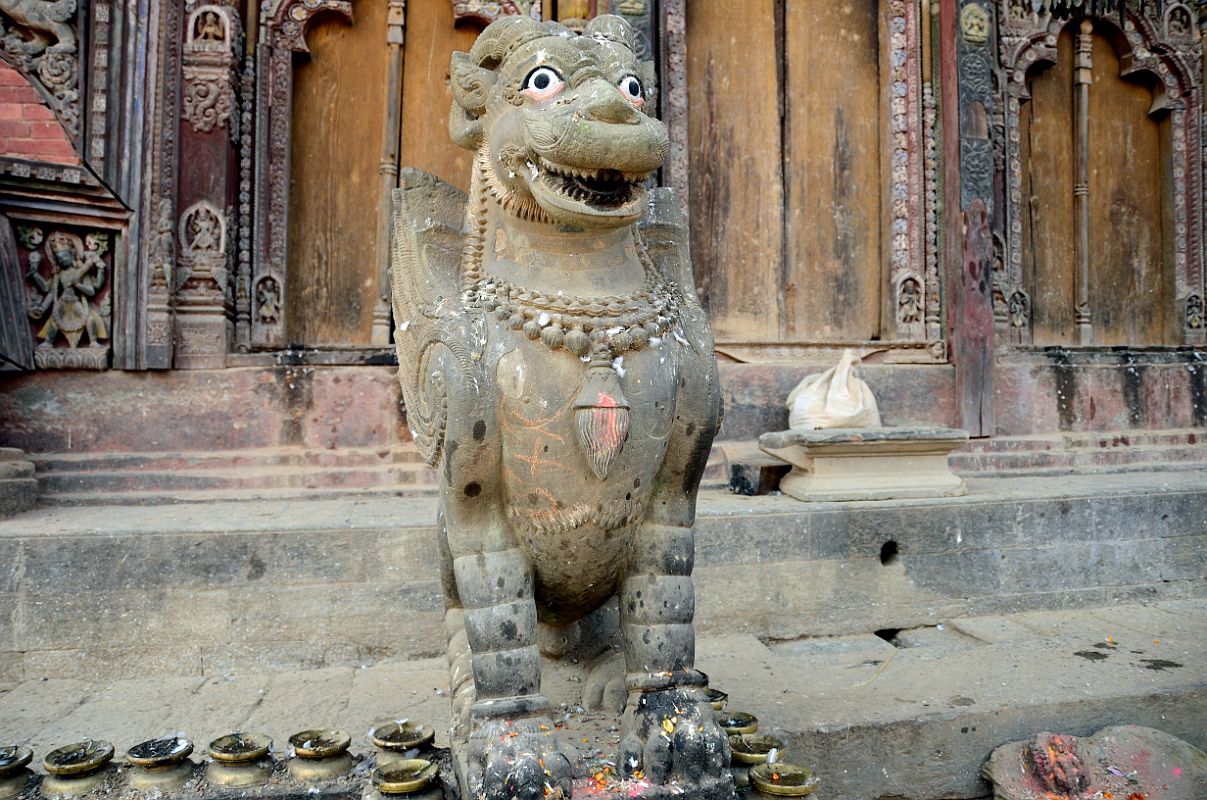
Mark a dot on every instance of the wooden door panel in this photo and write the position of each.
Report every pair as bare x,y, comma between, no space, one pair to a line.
1130,285
1049,257
735,179
431,39
338,121
834,271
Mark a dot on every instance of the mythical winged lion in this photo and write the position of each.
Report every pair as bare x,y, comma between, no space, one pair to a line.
558,368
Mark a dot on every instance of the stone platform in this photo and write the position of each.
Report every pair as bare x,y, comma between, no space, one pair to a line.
100,592
905,714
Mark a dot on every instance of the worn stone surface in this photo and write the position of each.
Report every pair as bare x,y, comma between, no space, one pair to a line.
279,585
1127,761
874,720
18,486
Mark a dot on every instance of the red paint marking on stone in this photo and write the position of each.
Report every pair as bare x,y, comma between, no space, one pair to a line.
606,401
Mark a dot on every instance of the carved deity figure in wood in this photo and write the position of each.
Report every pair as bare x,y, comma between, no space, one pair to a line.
64,300
558,369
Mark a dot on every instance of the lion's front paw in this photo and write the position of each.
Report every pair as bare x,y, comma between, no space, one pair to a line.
672,735
519,760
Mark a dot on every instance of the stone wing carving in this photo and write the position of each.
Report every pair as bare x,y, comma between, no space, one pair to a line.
666,236
427,237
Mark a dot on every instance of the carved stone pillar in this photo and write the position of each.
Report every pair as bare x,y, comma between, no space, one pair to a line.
208,187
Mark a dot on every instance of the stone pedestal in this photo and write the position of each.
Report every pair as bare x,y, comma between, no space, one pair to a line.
867,463
18,485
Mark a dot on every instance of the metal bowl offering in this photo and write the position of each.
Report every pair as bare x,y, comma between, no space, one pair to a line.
402,736
240,748
320,743
716,698
165,752
737,722
753,748
785,780
404,777
79,758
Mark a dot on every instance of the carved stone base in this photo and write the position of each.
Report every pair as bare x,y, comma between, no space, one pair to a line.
867,463
96,357
18,484
202,338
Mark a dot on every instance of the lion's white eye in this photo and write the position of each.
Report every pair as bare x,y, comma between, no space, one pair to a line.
543,83
630,87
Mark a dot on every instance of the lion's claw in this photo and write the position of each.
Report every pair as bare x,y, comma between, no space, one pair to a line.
519,761
672,735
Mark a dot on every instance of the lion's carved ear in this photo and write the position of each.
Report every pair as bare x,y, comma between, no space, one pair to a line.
471,85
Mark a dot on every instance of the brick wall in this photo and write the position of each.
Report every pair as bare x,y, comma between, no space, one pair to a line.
28,128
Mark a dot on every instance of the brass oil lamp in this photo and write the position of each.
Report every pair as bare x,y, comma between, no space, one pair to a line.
239,760
410,776
160,764
14,775
76,769
395,739
319,755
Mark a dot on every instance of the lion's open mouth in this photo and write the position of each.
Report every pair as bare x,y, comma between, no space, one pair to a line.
602,187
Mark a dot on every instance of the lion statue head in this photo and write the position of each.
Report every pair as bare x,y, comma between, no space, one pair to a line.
562,124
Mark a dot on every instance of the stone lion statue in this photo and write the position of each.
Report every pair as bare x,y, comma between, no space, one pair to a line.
558,369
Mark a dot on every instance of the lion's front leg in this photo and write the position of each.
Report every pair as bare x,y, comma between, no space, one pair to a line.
512,750
670,733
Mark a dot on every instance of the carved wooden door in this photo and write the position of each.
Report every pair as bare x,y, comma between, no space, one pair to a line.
1120,290
339,110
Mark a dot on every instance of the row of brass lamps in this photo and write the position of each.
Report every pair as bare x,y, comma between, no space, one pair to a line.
235,760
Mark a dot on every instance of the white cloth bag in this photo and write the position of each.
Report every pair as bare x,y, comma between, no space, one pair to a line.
836,398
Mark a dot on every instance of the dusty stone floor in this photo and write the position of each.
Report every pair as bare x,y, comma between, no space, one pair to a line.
912,718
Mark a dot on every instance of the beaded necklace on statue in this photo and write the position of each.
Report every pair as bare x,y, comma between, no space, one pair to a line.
586,326
596,329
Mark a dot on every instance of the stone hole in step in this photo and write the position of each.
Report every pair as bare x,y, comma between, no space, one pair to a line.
888,635
888,553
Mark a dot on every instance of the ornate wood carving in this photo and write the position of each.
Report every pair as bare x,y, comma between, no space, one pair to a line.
209,69
203,281
1162,45
68,279
487,11
243,292
282,34
912,289
40,38
159,199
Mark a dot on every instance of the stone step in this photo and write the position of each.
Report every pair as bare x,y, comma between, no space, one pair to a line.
146,478
283,581
1154,456
912,718
227,459
245,478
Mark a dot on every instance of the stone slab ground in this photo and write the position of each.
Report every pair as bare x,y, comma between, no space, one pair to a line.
913,718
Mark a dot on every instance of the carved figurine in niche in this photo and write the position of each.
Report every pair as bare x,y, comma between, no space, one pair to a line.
1178,22
558,367
268,302
209,27
41,22
65,300
204,231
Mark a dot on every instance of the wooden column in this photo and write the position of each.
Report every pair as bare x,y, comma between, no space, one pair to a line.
1082,77
395,38
208,188
966,30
